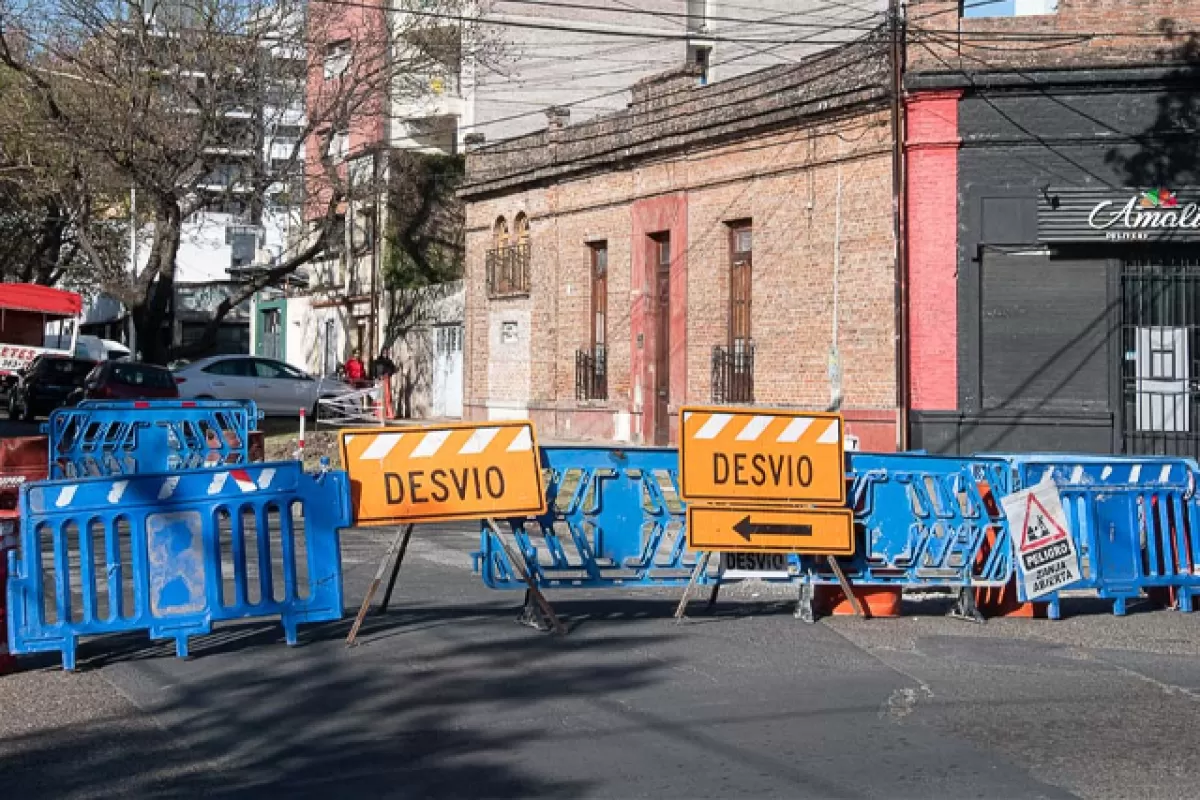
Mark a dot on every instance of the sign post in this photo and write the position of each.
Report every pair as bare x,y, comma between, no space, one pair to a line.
761,481
441,473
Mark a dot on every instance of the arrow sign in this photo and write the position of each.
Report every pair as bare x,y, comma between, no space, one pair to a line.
818,531
745,528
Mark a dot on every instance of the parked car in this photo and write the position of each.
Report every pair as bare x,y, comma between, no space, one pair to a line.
127,380
279,389
47,384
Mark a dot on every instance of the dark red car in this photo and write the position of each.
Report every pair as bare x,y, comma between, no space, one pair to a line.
128,380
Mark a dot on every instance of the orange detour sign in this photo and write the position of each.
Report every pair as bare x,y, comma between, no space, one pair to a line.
822,531
443,472
759,456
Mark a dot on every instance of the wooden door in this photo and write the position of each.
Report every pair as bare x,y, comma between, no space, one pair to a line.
662,340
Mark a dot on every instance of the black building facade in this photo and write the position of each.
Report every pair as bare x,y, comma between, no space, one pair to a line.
1078,263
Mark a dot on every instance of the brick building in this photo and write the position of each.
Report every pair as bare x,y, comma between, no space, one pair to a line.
730,243
1052,226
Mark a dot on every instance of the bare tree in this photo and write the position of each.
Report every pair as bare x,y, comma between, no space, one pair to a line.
182,99
47,193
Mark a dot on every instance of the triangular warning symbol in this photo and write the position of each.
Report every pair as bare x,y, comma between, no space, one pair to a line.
1039,528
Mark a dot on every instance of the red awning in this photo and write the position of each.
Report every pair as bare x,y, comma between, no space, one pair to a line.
42,299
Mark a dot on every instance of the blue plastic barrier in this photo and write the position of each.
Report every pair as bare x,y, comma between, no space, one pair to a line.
1134,521
614,518
927,521
171,553
125,438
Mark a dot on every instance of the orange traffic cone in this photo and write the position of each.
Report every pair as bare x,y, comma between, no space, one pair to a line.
389,410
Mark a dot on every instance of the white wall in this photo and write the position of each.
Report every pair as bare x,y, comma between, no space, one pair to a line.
573,68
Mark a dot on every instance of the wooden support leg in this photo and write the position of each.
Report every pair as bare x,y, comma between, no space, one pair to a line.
712,597
401,535
387,594
518,563
846,587
701,560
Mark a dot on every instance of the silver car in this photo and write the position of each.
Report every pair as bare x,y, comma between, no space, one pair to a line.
279,389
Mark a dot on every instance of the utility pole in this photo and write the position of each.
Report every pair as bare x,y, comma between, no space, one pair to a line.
376,241
899,229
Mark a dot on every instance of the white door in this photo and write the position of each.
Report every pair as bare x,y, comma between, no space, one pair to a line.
1162,379
448,371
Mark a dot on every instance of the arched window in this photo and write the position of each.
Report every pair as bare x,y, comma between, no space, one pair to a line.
500,233
521,224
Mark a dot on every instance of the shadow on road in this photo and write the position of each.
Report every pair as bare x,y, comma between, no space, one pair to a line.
323,721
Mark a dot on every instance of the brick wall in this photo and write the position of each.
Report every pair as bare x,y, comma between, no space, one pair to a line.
786,183
1082,33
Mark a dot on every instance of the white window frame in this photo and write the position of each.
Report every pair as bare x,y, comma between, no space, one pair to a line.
339,146
337,59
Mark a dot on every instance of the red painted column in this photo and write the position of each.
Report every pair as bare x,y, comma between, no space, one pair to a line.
932,206
657,215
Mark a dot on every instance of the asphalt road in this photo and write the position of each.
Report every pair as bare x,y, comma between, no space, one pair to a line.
447,697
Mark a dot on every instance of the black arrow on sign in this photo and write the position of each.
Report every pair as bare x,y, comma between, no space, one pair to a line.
745,528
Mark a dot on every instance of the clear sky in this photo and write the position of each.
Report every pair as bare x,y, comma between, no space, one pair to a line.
988,8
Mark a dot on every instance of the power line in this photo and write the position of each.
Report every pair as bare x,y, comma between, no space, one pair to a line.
673,15
618,33
517,145
605,95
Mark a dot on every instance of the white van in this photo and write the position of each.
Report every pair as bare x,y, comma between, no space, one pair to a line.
92,348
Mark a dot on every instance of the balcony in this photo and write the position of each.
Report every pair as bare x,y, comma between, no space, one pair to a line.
591,373
508,271
733,374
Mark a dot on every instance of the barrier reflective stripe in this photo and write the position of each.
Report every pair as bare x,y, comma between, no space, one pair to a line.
122,438
171,553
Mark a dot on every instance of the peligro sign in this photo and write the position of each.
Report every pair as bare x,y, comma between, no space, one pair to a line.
1154,211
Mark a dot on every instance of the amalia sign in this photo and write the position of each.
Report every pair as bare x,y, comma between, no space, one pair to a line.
1073,215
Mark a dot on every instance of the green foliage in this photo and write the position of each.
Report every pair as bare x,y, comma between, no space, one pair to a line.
424,231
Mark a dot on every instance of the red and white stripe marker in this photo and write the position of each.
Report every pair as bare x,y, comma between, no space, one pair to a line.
300,448
243,480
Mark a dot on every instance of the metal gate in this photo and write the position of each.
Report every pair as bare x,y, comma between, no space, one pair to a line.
1160,343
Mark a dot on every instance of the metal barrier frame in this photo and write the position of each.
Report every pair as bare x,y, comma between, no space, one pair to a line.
349,409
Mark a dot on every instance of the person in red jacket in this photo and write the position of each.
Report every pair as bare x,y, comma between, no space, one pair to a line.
356,372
